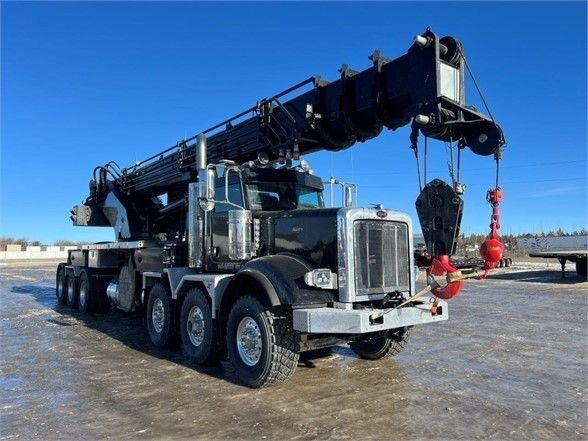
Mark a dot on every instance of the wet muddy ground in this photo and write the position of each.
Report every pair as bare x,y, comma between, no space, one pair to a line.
511,363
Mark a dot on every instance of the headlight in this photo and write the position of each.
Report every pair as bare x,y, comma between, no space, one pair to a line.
321,278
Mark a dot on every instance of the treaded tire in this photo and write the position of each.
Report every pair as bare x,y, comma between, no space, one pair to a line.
71,288
278,359
60,286
198,330
91,293
387,344
160,326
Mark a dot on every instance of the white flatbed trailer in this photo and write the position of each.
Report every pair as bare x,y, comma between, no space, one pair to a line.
580,257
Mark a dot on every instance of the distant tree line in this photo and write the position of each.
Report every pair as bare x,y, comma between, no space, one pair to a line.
557,233
4,240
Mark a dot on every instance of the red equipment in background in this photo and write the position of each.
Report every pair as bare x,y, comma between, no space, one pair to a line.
492,249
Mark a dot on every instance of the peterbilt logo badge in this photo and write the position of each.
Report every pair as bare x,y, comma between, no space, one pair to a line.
381,214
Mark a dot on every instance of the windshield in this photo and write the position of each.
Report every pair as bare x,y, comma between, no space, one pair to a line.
282,196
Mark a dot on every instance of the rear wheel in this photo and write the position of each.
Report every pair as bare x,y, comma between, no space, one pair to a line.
60,286
71,290
197,328
260,343
381,344
91,293
160,316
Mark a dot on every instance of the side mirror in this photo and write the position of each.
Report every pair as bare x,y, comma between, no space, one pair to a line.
206,178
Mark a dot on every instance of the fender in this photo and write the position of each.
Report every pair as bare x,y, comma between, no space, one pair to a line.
282,277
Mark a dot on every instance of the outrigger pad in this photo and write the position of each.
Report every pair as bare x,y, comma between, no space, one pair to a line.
439,209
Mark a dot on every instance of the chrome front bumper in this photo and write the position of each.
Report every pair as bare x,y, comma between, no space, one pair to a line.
358,321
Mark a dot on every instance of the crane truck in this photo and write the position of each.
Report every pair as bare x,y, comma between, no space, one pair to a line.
223,240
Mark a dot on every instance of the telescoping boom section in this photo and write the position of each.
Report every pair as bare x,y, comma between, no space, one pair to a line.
427,83
224,238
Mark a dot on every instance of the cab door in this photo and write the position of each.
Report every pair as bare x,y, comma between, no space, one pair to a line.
219,229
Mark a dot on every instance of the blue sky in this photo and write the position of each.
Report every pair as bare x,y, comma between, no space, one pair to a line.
86,83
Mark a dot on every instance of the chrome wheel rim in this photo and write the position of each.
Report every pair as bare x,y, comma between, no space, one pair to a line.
70,291
83,292
249,341
195,326
158,315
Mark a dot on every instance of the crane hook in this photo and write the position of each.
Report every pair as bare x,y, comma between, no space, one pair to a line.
441,266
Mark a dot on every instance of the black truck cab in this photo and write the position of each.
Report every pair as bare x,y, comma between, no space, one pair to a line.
280,200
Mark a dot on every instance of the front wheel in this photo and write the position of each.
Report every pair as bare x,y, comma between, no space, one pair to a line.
160,316
260,343
380,345
197,329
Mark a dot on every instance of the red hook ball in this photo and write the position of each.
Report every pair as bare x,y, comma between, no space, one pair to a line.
492,251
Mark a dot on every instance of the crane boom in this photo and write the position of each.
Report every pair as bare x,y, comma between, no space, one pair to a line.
426,83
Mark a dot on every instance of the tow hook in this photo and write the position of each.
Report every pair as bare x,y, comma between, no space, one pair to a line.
435,308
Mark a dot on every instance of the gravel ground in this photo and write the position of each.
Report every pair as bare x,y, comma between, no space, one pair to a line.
511,363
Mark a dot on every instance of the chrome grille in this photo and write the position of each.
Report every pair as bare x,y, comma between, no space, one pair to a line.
381,257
